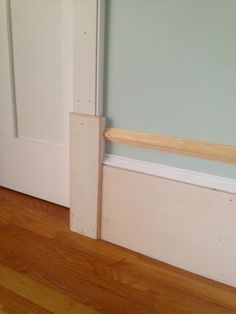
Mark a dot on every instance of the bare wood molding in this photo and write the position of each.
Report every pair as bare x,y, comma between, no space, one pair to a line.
86,156
220,152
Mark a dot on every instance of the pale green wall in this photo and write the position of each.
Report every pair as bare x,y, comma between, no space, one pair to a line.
170,68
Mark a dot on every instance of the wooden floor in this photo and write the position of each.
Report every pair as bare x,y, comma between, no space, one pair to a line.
44,268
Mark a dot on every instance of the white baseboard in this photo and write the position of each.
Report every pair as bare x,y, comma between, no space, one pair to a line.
173,173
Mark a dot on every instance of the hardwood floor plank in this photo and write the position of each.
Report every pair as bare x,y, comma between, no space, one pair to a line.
36,215
5,296
38,294
23,306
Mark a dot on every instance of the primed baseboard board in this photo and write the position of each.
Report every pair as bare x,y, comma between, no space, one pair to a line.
188,226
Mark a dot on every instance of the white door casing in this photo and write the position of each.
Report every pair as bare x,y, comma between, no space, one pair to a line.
86,123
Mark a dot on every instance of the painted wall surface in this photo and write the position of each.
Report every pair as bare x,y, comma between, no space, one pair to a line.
170,68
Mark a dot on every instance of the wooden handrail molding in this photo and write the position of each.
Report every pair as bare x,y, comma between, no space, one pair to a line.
183,146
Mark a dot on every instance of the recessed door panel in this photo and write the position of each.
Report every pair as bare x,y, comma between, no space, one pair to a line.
36,96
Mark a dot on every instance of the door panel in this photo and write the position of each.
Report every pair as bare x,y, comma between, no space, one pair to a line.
35,169
37,50
34,157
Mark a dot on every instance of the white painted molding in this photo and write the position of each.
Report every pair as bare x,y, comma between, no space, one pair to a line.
85,47
173,173
89,16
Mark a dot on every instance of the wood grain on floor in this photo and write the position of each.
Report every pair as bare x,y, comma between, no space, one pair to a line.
44,268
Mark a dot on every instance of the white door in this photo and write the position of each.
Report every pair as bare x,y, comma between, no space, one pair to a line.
36,96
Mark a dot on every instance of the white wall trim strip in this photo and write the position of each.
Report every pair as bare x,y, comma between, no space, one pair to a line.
100,56
173,173
89,20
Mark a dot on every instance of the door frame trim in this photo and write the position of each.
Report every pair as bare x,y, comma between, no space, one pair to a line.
86,122
89,21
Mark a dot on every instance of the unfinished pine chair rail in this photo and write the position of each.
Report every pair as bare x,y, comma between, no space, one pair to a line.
220,152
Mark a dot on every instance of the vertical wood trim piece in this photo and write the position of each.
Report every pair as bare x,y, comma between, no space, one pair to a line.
85,49
88,56
87,124
86,151
86,137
